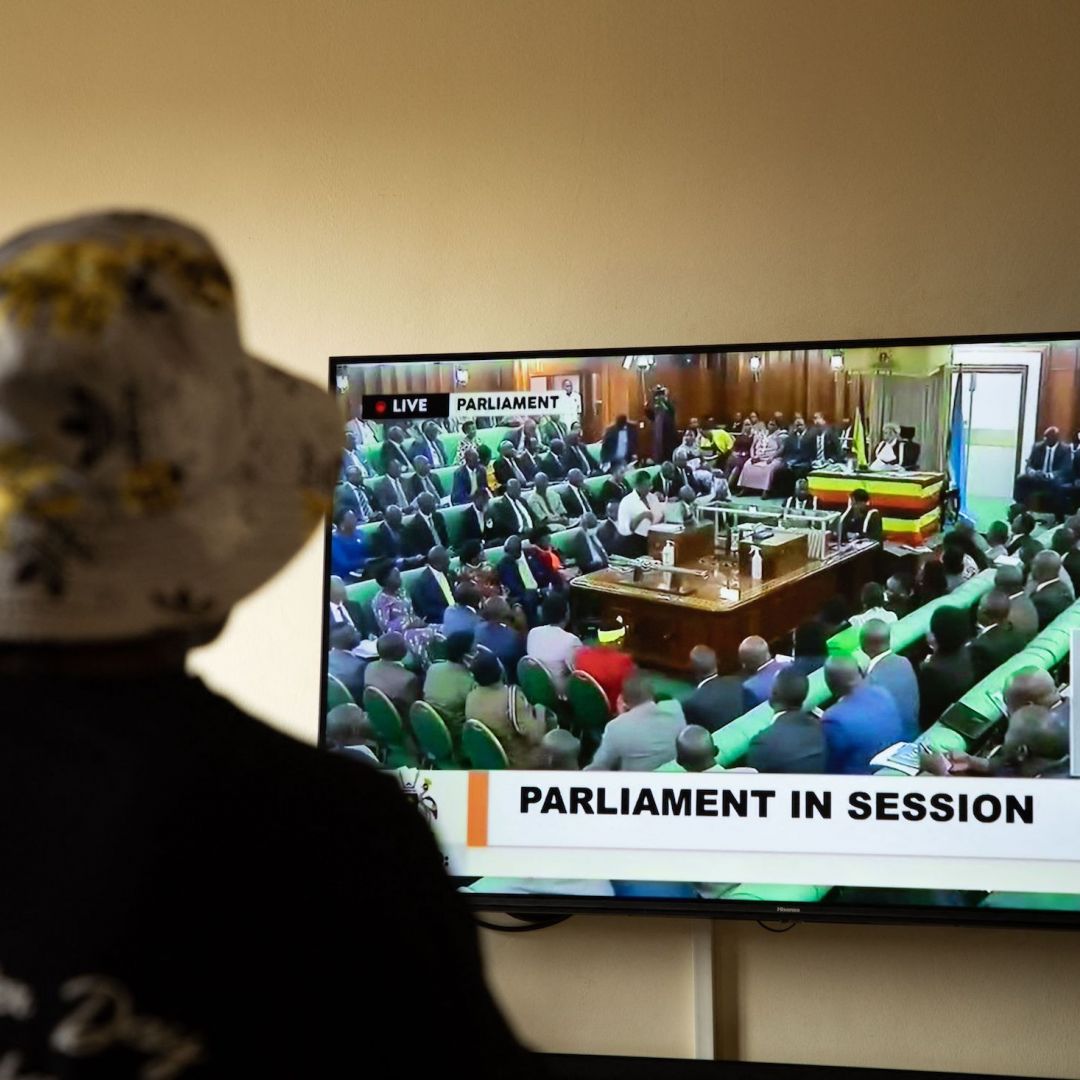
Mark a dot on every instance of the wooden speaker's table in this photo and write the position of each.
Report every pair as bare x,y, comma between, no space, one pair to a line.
909,503
668,614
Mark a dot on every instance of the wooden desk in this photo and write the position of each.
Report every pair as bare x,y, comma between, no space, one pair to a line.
663,626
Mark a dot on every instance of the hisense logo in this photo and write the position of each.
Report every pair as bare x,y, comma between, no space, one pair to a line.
788,910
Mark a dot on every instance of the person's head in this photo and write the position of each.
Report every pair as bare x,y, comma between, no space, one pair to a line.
636,690
898,588
588,521
568,386
872,595
468,429
778,418
354,476
512,547
421,465
618,473
541,538
528,428
458,646
753,654
746,427
1023,524
496,610
802,488
480,498
686,494
540,481
1063,540
344,637
874,637
998,534
425,503
702,662
753,418
620,421
393,516
789,690
994,608
430,430
573,437
337,590
506,449
532,444
890,432
392,647
350,439
389,578
737,418
439,559
513,488
575,478
680,457
393,469
689,438
467,594
348,725
694,749
1046,566
818,419
472,458
486,669
611,510
344,521
395,434
560,750
1052,436
1035,738
810,639
694,423
952,558
842,675
798,425
1010,579
1030,686
667,470
557,446
932,580
949,630
643,482
860,500
555,611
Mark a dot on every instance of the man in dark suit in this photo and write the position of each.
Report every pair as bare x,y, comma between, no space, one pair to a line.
717,699
797,455
1050,595
427,528
825,446
343,611
476,521
616,486
575,456
891,672
997,640
510,514
759,668
427,446
433,591
947,673
346,668
551,463
529,455
575,496
608,532
794,742
423,480
619,444
1022,614
587,550
392,540
468,477
1048,471
1023,544
507,467
668,482
862,721
393,449
390,489
350,493
524,577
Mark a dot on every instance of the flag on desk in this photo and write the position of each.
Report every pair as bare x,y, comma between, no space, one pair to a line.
858,434
957,449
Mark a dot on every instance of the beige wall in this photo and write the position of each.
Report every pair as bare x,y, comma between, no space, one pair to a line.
404,176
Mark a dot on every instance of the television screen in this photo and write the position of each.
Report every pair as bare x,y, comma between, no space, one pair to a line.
769,631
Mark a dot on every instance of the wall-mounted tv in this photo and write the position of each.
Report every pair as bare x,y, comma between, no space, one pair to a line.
775,630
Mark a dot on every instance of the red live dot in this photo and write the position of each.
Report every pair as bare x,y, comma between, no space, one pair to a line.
380,406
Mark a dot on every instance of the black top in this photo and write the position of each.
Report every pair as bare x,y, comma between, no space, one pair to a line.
256,906
793,743
715,703
943,679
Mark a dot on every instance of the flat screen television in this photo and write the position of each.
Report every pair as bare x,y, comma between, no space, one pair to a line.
719,630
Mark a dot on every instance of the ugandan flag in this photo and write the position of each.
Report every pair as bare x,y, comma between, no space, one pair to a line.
858,435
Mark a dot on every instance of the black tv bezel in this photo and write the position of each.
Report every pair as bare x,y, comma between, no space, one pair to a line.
529,905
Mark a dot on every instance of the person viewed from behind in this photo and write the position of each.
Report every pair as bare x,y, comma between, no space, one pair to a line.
947,673
605,661
1050,595
997,539
1022,614
551,643
861,722
475,570
931,583
891,672
560,750
872,602
900,595
694,749
759,667
794,742
958,567
448,682
154,475
642,736
1023,544
499,636
810,647
505,712
717,699
996,639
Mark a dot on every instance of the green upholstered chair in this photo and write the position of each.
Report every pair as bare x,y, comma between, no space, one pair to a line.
480,748
588,703
445,476
337,693
536,683
432,736
389,729
563,541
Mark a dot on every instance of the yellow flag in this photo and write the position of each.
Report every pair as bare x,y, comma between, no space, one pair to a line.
858,439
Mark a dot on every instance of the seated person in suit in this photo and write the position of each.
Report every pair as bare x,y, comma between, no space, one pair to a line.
694,749
427,528
575,456
997,540
433,590
507,468
575,496
947,673
797,455
505,711
348,551
872,606
862,721
1048,472
393,449
860,521
347,668
810,647
427,446
587,550
393,542
619,444
759,668
469,477
825,446
390,489
900,594
497,634
352,458
476,523
891,452
642,736
343,611
717,699
669,481
448,682
528,458
616,486
996,639
424,480
958,566
608,532
350,493
1022,614
510,514
349,733
524,577
551,643
1023,544
463,615
891,672
1050,595
551,462
390,675
546,504
794,742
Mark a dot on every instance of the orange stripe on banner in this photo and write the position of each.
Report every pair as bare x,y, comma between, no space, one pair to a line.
477,832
